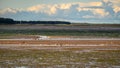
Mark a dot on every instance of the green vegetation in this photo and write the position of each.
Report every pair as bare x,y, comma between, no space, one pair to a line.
96,33
56,58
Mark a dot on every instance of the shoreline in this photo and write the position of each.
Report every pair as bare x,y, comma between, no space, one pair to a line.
65,39
59,48
62,42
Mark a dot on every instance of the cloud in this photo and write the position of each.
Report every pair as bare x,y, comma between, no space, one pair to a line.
36,8
104,10
108,6
53,8
43,8
65,6
116,9
93,4
115,2
8,10
100,12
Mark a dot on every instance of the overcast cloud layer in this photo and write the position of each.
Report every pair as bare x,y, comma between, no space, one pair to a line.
106,11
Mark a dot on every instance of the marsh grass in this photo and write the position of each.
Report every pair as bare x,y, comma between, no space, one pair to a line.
62,32
56,58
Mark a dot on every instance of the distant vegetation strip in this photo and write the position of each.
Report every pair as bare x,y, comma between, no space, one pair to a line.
11,21
95,33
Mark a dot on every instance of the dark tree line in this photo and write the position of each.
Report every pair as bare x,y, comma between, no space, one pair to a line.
6,21
11,21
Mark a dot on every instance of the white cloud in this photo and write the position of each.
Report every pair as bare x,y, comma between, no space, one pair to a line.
105,1
36,8
116,9
82,4
65,6
43,8
88,16
91,10
8,10
115,4
83,9
53,8
100,12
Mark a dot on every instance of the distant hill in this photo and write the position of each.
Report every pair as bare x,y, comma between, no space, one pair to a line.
11,21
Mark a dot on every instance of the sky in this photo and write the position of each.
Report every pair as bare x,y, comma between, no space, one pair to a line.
82,11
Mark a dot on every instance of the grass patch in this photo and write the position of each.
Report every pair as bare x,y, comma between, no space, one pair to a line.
51,58
100,33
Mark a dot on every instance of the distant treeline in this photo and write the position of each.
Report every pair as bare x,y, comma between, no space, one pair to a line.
11,21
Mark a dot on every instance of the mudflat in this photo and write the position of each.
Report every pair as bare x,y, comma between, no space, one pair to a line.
62,42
